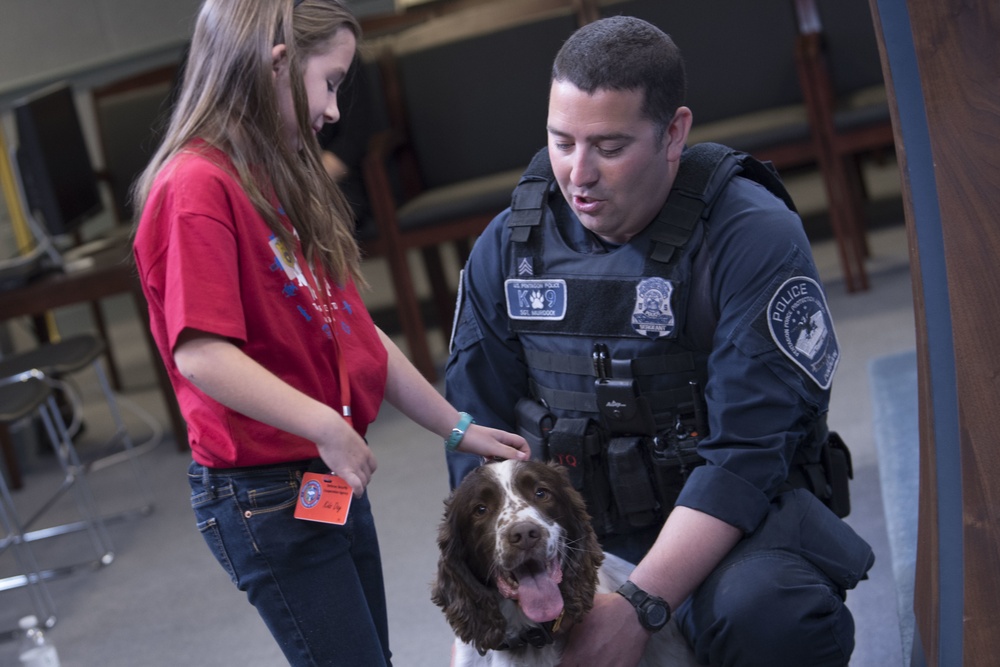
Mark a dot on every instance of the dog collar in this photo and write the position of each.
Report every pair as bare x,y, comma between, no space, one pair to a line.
537,636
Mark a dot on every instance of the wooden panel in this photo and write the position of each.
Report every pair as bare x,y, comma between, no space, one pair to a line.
946,108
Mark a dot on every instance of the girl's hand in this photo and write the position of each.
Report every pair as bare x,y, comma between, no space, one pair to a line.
491,442
347,454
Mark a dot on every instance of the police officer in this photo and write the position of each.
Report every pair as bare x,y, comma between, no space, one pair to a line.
649,314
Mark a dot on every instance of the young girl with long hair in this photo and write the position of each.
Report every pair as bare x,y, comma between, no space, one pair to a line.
246,255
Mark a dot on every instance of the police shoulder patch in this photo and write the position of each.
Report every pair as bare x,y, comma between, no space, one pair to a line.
802,328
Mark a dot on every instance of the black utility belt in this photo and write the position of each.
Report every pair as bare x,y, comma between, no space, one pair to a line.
631,482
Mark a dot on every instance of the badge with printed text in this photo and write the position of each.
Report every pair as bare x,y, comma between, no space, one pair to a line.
800,325
536,299
653,315
284,259
323,498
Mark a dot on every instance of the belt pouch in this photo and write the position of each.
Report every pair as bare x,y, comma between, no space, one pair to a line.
534,423
630,481
839,471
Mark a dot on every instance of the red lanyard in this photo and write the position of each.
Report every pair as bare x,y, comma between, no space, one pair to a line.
321,299
345,382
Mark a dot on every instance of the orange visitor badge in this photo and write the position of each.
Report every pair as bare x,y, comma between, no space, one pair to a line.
323,498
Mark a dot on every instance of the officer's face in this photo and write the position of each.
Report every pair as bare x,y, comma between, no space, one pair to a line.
607,160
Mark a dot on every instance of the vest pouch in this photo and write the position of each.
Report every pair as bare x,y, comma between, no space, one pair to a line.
534,424
623,410
577,444
673,460
628,465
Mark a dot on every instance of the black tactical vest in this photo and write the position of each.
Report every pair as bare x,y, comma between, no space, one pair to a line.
617,343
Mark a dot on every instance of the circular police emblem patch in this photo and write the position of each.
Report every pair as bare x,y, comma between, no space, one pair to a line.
310,493
801,326
653,315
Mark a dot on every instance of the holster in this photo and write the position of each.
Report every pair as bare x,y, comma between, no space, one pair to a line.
673,460
829,477
534,423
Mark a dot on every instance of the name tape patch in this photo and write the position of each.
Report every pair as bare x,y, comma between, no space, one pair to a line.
536,299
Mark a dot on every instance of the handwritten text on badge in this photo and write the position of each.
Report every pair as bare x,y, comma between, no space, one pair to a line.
323,498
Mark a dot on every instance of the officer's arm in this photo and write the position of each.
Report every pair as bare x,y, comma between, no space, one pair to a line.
485,375
691,544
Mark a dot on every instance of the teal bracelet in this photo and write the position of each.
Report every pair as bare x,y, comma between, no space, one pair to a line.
457,433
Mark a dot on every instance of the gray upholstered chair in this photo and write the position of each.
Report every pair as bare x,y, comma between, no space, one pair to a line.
466,97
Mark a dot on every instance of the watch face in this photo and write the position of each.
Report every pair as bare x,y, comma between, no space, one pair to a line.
656,616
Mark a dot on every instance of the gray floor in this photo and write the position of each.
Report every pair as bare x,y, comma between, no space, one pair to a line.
164,602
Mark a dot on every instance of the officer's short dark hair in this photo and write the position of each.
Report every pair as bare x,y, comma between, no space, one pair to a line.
626,53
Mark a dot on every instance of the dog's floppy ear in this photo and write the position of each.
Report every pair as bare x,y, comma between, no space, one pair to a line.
584,559
471,608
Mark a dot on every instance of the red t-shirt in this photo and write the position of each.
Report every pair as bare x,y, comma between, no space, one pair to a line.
208,261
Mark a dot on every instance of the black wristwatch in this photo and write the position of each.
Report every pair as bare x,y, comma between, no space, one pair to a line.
653,612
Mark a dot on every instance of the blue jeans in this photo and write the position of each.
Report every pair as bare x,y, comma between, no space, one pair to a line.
318,587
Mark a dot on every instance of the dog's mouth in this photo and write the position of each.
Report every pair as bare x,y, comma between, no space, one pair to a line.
534,584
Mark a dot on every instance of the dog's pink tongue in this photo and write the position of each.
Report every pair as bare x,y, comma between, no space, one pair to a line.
539,595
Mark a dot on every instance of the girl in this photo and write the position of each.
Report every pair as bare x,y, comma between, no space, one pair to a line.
246,254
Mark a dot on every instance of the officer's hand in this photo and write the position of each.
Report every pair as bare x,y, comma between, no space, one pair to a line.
609,635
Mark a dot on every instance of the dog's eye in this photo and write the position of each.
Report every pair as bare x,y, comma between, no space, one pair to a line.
480,510
541,493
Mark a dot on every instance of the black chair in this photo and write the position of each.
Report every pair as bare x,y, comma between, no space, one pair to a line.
131,115
26,395
743,88
18,401
60,360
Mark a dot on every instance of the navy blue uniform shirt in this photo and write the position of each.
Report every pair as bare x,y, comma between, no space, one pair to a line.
768,377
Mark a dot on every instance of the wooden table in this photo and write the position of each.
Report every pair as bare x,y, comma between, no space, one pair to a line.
112,273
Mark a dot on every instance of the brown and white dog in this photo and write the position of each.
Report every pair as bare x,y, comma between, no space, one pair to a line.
519,559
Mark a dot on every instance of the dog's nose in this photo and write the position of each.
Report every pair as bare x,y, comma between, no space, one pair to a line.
523,535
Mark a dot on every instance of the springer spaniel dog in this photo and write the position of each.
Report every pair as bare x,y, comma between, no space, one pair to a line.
518,559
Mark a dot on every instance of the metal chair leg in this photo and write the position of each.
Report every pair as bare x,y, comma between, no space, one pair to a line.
45,608
122,435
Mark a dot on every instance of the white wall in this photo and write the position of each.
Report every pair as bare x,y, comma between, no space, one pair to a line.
46,40
88,43
93,41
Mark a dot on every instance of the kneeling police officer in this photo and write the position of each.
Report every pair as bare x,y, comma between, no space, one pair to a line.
649,315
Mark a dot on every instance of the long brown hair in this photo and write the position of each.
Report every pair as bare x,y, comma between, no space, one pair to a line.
228,100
